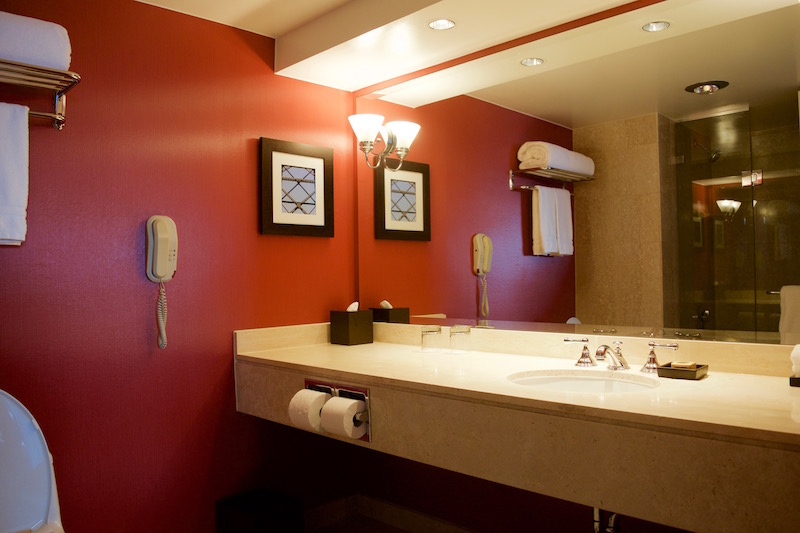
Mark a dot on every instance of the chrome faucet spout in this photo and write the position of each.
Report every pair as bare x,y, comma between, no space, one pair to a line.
616,361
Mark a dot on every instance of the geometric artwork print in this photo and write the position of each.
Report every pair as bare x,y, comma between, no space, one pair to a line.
404,200
298,187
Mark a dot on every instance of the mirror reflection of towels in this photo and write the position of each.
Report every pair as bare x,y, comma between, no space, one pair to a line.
789,325
545,238
564,221
551,212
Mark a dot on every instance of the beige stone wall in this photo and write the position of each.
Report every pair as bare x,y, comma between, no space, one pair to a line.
618,240
669,222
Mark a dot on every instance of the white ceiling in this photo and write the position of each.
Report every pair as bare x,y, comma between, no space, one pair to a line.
602,71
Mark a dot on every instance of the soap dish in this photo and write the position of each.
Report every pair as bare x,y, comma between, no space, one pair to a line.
666,371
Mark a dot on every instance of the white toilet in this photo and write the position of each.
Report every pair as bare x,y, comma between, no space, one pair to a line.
28,496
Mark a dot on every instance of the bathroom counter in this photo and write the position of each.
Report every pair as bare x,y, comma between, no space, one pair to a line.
721,454
758,409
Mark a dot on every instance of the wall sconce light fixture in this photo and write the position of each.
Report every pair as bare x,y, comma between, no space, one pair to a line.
729,207
397,137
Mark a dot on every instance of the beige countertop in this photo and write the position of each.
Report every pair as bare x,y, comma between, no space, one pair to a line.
737,434
761,410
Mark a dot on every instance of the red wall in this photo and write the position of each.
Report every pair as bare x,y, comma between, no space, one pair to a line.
470,146
166,121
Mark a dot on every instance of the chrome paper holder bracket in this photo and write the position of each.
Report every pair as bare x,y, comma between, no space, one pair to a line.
347,391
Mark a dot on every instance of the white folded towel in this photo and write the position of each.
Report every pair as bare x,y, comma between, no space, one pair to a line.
33,41
789,325
535,154
795,357
543,209
564,221
551,211
13,173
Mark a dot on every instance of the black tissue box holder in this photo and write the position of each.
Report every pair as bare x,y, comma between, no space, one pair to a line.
350,328
396,315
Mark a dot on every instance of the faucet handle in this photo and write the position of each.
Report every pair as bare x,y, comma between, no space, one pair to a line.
585,358
651,365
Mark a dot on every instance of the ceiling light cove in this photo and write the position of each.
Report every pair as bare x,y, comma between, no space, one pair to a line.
396,40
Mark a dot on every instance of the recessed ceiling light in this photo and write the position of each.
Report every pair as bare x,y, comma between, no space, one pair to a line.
657,25
441,24
532,61
706,87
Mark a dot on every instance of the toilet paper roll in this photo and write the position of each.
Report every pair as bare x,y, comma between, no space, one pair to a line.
305,408
337,417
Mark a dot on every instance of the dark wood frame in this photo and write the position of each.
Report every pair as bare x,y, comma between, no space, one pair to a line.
381,232
267,224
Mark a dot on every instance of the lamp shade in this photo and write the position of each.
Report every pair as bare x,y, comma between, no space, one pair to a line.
365,126
405,132
729,207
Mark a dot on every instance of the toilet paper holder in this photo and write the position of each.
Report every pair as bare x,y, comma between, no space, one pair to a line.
347,391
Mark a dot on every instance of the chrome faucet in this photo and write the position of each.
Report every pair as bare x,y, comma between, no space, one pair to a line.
586,357
651,366
615,359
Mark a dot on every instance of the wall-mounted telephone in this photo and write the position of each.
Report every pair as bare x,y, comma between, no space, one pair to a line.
162,260
162,248
481,254
481,265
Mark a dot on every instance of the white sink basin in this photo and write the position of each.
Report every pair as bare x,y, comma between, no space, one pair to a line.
585,381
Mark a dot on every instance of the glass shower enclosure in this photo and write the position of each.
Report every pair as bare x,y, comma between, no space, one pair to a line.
737,194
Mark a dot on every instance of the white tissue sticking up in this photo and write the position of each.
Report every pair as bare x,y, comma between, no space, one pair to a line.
796,361
353,307
385,304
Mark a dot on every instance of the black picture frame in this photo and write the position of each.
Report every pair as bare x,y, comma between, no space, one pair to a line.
399,227
305,164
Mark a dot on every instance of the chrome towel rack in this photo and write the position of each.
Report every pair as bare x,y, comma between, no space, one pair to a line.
34,76
549,173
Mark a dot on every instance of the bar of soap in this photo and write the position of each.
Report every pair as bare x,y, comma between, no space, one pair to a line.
684,364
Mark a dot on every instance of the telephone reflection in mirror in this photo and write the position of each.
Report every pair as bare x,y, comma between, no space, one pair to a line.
481,265
162,260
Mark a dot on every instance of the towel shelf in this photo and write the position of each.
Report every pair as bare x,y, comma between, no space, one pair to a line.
58,81
549,173
554,174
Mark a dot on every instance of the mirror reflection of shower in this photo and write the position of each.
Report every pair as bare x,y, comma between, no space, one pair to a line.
713,155
737,179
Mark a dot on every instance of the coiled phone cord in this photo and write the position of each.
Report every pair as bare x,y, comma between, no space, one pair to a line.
162,316
484,297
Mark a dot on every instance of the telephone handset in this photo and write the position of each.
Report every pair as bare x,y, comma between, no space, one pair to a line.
162,248
162,260
481,264
481,254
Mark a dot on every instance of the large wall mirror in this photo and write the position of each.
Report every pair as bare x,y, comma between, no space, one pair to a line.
673,237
